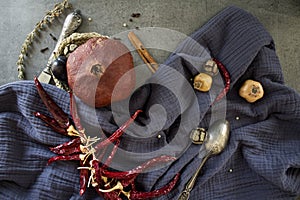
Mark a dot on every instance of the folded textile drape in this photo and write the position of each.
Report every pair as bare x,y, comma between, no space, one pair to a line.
261,161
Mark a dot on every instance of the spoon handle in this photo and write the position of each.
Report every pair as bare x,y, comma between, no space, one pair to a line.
185,194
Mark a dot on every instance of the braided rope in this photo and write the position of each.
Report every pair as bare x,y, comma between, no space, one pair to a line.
78,39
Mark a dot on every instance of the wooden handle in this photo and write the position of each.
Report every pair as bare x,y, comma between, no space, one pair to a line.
142,51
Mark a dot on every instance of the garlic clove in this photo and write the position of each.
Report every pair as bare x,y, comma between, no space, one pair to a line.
202,82
251,91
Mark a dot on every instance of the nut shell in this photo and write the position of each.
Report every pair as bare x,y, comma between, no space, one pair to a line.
211,67
251,91
100,71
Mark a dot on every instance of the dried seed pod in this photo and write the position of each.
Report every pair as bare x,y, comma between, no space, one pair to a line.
211,67
198,135
251,91
202,82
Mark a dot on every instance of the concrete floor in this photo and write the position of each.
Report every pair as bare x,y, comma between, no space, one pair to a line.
280,17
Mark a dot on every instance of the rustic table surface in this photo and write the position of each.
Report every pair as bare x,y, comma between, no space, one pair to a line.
280,17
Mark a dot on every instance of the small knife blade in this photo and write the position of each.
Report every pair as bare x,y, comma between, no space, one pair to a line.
45,76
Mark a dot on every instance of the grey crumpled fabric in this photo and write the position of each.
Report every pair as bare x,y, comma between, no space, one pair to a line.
261,160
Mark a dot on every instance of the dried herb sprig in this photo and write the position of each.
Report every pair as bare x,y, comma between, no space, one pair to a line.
48,19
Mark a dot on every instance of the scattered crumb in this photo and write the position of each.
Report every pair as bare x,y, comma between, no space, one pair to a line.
116,38
131,20
53,37
90,19
135,15
125,25
44,49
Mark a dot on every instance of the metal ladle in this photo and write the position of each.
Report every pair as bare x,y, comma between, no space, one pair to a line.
214,143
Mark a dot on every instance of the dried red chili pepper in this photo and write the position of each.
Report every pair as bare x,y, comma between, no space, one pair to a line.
74,114
156,193
51,123
118,133
227,79
109,196
139,169
81,148
95,165
129,181
97,172
68,148
101,155
135,195
67,157
83,178
59,115
112,154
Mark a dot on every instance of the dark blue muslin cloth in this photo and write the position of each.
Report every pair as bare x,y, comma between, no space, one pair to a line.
261,160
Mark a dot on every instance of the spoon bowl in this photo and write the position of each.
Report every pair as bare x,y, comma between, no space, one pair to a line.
217,137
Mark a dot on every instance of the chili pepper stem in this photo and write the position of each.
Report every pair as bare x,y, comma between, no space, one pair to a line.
72,131
118,186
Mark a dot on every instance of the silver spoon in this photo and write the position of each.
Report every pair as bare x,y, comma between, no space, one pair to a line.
214,143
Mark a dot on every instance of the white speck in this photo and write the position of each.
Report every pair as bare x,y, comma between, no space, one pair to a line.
158,136
230,170
124,25
237,118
